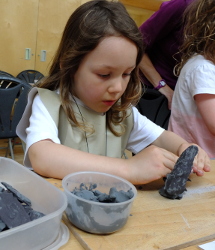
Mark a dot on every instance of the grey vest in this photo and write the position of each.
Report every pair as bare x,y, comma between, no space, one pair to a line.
101,142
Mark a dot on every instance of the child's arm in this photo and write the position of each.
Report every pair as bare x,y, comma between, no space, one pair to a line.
54,160
206,104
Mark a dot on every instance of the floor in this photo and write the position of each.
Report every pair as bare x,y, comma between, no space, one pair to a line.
18,150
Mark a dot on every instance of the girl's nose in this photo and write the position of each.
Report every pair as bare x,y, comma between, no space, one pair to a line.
116,85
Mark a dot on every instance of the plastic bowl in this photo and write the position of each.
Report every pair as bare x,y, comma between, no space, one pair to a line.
97,217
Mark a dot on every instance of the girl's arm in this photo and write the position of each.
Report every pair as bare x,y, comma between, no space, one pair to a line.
206,104
55,160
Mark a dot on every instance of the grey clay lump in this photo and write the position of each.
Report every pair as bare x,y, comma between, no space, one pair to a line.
114,196
175,183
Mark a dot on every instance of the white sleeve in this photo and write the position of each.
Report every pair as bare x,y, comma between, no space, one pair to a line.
143,133
41,127
202,79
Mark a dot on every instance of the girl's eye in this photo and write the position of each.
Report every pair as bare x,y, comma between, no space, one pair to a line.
108,75
104,76
127,74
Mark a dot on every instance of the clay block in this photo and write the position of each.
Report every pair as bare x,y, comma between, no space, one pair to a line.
2,225
19,196
15,208
175,182
12,212
33,214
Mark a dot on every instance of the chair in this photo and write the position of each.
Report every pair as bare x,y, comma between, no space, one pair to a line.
7,81
30,76
5,73
13,101
154,106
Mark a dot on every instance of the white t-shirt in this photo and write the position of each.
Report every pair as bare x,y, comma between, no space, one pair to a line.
196,77
41,126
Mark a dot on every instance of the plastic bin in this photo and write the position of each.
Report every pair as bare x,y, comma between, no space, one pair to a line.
40,233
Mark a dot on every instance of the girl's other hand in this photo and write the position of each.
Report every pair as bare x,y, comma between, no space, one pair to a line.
201,162
154,163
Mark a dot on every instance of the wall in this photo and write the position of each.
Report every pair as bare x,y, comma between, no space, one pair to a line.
141,10
18,31
38,24
33,24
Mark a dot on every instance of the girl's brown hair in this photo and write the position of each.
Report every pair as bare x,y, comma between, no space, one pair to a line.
199,32
86,27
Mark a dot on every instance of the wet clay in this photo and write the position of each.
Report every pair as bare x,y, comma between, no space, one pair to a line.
90,193
175,182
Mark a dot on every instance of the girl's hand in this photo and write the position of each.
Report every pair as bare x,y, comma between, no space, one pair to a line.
153,163
150,164
201,162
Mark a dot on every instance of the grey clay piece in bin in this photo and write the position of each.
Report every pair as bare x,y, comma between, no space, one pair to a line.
11,211
15,208
19,196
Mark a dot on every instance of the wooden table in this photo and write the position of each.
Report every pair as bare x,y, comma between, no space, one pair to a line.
157,222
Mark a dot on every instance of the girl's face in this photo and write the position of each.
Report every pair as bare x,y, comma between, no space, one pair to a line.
104,73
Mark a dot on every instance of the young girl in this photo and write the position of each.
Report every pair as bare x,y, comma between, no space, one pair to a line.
193,113
82,117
